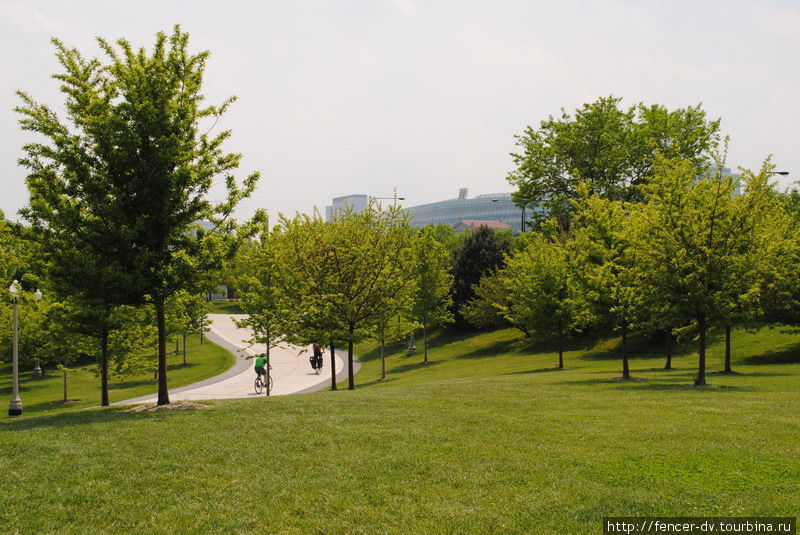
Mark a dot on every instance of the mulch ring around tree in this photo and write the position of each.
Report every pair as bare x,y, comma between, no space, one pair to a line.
178,406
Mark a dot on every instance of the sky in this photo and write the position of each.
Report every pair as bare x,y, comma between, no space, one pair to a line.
341,97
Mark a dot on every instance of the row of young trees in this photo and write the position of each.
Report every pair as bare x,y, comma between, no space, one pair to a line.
701,248
361,275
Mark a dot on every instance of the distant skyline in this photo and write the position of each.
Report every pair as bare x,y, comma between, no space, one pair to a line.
347,97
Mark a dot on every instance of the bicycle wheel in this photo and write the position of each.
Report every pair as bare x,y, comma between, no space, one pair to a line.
259,384
269,389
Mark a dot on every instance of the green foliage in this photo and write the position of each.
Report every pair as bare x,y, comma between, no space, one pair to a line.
257,284
486,308
543,297
697,240
603,252
480,252
609,148
122,183
432,297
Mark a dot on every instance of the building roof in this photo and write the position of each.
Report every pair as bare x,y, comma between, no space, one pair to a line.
495,225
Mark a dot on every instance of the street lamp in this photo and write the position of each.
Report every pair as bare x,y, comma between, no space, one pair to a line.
782,173
15,406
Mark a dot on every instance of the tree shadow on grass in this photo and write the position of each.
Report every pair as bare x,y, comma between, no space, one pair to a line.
388,379
541,370
641,384
785,355
500,347
416,365
77,418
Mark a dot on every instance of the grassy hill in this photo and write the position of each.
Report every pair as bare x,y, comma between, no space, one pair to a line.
83,383
489,438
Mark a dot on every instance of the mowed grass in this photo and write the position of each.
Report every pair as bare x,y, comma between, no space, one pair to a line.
489,438
46,394
223,306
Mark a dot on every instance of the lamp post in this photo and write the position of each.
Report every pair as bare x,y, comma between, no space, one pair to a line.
15,406
782,173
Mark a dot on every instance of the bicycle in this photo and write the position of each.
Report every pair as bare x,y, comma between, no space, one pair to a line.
259,384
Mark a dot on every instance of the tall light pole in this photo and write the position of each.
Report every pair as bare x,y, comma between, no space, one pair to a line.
15,406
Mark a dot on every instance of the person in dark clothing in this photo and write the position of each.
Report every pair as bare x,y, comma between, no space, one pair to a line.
316,358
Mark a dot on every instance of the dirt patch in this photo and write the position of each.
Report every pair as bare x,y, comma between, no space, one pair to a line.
179,406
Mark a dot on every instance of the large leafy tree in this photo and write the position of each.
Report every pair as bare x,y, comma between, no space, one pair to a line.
432,296
123,180
695,241
610,148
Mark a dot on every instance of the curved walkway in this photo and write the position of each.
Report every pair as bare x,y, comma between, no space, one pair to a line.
291,371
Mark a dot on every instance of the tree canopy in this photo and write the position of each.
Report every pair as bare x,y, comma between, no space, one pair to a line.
610,148
126,176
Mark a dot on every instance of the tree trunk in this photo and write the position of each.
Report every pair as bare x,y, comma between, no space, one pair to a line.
104,368
701,368
383,356
351,381
560,352
184,348
728,349
65,387
668,366
333,366
626,372
161,321
425,342
201,336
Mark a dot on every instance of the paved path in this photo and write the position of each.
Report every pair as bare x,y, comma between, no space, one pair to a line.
291,371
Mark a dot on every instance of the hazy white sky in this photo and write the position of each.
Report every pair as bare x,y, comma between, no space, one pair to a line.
347,96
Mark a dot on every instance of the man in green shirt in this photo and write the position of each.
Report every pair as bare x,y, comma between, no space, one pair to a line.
261,362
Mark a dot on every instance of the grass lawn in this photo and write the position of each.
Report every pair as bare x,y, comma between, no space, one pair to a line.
223,306
488,438
47,394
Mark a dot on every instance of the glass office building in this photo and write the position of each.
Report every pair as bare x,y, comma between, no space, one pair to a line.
489,207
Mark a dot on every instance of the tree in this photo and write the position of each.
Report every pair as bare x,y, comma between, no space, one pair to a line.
542,295
125,177
187,313
486,308
257,282
479,253
695,237
610,148
605,263
432,297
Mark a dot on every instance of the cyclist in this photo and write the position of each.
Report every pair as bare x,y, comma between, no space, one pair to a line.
316,358
261,361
